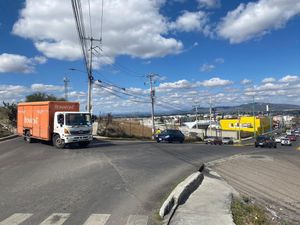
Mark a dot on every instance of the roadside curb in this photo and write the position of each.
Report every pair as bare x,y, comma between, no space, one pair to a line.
120,139
181,193
8,137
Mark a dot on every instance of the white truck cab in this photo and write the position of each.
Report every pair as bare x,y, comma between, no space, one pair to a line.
72,127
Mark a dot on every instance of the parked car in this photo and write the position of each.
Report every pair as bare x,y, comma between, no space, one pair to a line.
265,141
286,141
278,139
227,140
291,137
213,141
170,136
297,133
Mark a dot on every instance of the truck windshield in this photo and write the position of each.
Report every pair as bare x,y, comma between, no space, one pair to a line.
75,119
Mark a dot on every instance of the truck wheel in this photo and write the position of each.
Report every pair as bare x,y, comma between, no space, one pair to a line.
27,137
83,144
58,142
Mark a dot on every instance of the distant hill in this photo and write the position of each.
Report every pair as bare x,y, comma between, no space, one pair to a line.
259,107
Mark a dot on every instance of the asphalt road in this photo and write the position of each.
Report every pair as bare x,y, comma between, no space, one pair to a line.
118,182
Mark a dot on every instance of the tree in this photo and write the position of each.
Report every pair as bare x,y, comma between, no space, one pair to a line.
41,97
11,112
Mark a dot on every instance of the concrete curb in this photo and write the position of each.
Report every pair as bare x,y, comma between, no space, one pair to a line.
181,193
9,137
102,138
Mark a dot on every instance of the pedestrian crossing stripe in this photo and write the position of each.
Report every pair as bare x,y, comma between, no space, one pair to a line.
97,219
61,218
137,220
56,219
16,219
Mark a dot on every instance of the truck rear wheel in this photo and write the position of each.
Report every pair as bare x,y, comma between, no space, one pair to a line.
58,142
27,137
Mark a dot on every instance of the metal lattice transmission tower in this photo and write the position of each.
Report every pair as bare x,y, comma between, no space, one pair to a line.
66,84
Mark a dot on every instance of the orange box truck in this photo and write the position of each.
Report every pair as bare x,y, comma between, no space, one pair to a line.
56,121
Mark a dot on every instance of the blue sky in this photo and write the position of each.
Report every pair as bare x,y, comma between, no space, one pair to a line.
230,50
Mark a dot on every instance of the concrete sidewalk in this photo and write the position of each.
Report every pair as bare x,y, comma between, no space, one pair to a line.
208,205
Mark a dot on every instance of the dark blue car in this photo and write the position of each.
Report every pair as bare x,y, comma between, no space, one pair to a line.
170,136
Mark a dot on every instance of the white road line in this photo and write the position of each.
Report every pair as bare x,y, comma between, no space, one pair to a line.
56,219
97,219
16,219
137,220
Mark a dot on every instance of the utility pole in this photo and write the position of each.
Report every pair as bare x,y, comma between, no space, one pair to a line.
66,81
254,122
90,73
210,115
87,52
196,108
152,98
270,117
239,117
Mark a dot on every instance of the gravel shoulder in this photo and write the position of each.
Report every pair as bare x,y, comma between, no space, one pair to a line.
272,178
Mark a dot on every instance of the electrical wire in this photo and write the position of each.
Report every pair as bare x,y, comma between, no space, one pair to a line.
101,23
91,30
121,92
128,99
121,67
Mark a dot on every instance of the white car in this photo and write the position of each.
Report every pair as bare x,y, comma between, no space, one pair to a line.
278,139
286,141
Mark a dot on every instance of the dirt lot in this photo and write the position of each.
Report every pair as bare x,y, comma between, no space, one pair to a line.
272,179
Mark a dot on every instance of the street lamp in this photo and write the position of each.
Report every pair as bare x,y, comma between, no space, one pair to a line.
89,96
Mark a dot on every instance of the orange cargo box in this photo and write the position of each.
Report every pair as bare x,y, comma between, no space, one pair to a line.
38,117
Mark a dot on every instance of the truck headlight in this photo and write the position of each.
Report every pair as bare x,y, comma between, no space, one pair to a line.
66,131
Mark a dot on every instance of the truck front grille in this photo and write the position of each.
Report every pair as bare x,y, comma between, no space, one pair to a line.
80,132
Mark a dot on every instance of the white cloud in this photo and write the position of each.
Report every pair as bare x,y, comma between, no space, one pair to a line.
207,67
246,81
175,85
190,21
216,82
12,63
209,3
268,80
289,78
139,31
46,87
219,60
256,19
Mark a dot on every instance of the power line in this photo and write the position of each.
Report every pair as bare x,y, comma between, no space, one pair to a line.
119,96
101,22
88,58
91,30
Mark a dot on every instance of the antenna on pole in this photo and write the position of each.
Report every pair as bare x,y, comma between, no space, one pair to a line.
66,81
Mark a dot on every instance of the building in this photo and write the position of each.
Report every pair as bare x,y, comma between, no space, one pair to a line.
247,124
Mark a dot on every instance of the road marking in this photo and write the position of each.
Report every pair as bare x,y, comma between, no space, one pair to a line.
298,148
16,219
137,220
97,219
56,219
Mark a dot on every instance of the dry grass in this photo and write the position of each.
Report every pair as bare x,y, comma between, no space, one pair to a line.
246,213
124,128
